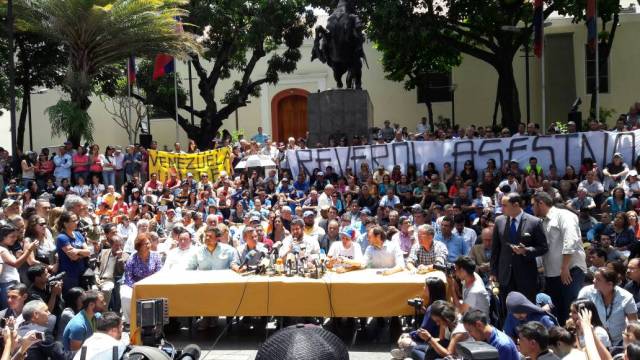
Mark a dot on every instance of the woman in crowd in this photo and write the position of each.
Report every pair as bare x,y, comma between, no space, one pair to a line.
140,265
44,170
71,249
80,164
45,253
95,161
469,172
563,344
521,310
614,305
28,166
617,202
10,260
451,332
615,173
622,236
109,166
73,301
448,175
430,170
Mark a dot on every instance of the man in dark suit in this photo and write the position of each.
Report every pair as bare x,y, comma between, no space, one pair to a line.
518,238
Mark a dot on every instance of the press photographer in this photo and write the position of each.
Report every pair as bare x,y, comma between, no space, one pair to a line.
474,295
45,287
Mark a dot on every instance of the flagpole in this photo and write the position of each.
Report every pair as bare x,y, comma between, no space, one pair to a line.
544,90
175,90
596,91
129,89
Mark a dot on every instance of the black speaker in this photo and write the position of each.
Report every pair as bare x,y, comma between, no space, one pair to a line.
576,117
436,87
145,140
476,350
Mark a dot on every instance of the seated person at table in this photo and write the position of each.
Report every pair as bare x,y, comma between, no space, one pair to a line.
520,311
214,255
382,254
179,257
427,251
298,243
345,255
252,251
140,265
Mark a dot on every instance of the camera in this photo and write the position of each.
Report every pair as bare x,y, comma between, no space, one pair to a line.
56,278
416,303
447,268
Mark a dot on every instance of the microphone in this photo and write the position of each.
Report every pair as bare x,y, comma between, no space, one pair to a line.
248,257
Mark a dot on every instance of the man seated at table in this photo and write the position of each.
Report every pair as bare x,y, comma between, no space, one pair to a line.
427,251
252,251
214,255
345,255
178,258
382,254
299,244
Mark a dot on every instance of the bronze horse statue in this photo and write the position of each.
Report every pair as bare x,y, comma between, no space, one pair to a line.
340,45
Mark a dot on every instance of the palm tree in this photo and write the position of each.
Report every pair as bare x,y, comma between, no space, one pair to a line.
99,33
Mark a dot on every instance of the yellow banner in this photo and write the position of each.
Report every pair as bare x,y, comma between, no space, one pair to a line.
211,162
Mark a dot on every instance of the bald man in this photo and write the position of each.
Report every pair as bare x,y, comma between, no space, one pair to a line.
481,253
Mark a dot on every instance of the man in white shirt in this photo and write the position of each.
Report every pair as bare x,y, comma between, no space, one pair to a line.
299,244
324,200
178,258
592,185
346,254
105,340
564,264
382,254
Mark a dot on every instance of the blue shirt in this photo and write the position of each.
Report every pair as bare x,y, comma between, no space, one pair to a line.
63,166
387,257
511,323
79,328
505,346
221,258
73,268
455,245
260,138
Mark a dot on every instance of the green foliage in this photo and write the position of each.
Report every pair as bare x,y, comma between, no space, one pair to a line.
606,114
160,93
69,120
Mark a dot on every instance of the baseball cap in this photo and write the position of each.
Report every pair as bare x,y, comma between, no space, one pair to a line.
135,190
348,231
255,218
189,174
618,155
633,173
320,173
308,213
365,211
8,202
416,208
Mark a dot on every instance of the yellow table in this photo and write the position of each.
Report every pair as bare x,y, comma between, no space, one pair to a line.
224,293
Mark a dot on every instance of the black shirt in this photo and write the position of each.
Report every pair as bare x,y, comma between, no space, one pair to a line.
45,295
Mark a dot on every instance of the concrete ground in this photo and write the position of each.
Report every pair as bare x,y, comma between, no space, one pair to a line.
241,342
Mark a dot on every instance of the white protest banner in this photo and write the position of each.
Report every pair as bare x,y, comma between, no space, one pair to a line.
558,150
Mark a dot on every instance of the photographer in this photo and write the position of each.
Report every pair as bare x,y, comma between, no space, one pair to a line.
44,290
474,294
36,317
100,346
450,334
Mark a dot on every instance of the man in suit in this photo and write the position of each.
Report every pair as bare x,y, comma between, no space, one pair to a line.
518,238
481,253
111,269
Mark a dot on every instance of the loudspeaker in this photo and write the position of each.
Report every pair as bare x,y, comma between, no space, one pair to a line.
145,140
576,117
476,350
436,87
152,312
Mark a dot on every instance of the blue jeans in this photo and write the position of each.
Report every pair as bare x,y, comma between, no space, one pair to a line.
4,292
564,295
109,178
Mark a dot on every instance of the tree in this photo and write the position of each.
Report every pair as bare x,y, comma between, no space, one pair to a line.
409,55
99,33
127,112
609,19
236,35
471,27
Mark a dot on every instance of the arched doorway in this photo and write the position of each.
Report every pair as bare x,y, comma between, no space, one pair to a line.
289,114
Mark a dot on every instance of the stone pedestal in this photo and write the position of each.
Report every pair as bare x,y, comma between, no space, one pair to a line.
338,113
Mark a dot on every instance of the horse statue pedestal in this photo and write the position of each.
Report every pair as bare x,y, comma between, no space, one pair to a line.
338,113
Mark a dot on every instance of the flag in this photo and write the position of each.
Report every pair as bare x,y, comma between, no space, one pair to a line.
538,28
592,29
131,70
164,65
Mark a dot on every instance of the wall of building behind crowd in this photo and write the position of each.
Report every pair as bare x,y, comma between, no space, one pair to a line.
475,94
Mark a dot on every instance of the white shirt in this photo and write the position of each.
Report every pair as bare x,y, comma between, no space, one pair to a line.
311,243
387,257
513,186
324,200
337,249
178,259
563,236
100,347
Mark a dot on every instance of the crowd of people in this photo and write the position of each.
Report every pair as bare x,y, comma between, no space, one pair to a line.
537,256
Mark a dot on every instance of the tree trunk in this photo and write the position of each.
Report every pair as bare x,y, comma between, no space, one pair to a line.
23,118
508,96
430,113
83,102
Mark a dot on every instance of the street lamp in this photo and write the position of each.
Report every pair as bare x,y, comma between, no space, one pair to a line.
12,79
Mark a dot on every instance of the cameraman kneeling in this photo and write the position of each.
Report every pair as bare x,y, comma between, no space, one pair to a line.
45,290
100,345
474,294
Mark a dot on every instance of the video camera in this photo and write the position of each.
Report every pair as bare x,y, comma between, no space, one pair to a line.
56,278
447,268
416,303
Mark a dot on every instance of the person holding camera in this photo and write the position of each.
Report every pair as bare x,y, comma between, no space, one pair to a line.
45,290
105,341
36,318
451,332
427,251
474,293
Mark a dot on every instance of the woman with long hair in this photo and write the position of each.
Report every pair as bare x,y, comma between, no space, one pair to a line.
11,261
45,253
80,164
622,236
44,170
72,250
192,148
563,344
617,202
598,329
28,166
73,302
109,166
95,161
278,232
451,332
